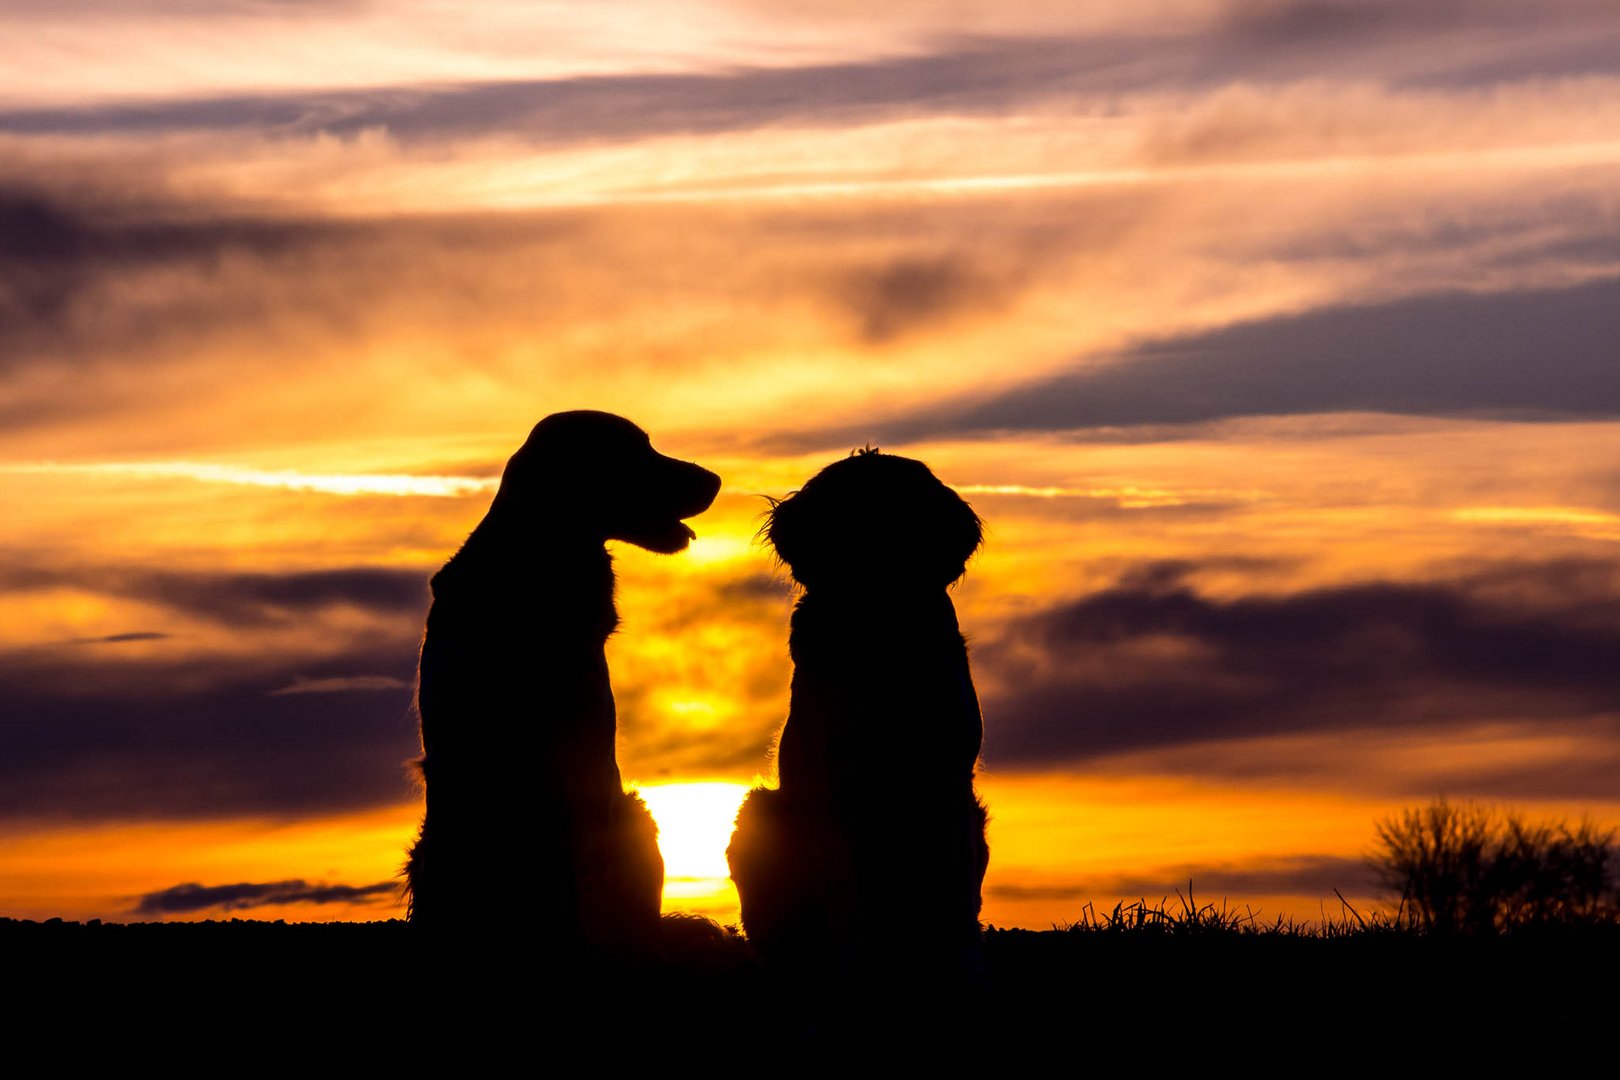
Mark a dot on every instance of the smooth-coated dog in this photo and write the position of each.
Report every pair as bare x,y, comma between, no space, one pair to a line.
870,853
526,814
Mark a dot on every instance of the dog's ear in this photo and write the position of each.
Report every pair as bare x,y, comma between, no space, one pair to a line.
957,531
788,529
538,480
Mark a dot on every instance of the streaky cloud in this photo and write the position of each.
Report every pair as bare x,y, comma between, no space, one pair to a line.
402,484
239,599
1153,662
192,897
1304,874
120,639
341,684
1534,355
960,76
193,738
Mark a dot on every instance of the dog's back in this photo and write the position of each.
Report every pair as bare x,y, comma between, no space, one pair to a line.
873,842
882,700
518,730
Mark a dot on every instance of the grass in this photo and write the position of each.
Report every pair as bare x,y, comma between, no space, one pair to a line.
1176,980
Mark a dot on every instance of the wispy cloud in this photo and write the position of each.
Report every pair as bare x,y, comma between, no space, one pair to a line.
192,897
290,479
1305,875
1129,497
340,684
1528,355
119,639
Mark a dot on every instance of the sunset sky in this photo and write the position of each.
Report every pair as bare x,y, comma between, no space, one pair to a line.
1277,343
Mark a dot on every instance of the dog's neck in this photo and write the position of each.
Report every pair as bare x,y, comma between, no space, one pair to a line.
558,569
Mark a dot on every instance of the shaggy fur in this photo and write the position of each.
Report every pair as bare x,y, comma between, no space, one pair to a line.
871,850
524,799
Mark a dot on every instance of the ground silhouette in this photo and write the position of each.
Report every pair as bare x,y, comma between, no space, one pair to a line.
1172,991
517,711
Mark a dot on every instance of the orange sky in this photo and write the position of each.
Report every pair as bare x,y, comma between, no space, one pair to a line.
1276,342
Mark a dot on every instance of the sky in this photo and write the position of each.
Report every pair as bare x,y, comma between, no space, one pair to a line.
1276,341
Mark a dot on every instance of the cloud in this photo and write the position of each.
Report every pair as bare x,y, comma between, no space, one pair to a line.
55,237
201,737
341,684
1546,354
247,717
907,294
975,77
114,316
953,75
190,897
1152,663
400,484
240,599
1562,38
1297,875
118,639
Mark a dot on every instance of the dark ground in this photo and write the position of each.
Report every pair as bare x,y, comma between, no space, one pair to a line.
239,995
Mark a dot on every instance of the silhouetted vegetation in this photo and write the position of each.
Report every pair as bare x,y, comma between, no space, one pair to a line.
1182,979
1470,869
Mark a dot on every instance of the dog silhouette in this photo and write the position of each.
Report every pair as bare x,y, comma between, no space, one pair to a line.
870,853
526,814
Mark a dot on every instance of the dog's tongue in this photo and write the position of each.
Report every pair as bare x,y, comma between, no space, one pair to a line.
665,538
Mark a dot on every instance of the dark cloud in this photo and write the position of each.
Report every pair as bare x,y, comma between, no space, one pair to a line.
240,600
910,294
1585,771
342,684
1151,662
1265,43
1529,355
1303,875
190,897
63,250
118,639
175,733
257,597
1505,41
983,77
180,737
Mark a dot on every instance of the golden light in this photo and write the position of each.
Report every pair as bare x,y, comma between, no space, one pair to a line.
694,826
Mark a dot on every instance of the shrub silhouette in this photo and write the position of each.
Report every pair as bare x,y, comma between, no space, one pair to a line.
1469,869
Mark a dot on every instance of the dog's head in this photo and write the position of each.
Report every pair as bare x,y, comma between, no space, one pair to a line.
596,476
874,520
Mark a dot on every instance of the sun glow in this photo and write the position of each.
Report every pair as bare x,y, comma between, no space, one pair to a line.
694,828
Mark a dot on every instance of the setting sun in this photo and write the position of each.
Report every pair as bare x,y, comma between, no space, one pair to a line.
694,827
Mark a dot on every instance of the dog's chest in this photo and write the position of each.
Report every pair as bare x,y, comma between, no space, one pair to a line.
519,659
879,696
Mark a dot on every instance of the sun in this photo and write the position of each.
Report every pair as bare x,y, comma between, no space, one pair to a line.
694,826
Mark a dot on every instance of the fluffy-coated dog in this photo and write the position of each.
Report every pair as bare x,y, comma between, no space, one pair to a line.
526,814
870,853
